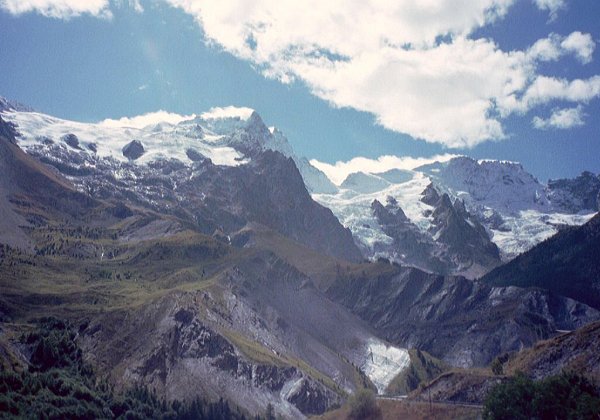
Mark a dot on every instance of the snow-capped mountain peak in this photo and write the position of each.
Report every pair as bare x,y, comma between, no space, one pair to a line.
516,210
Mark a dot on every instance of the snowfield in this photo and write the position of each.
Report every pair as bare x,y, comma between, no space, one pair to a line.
161,140
383,363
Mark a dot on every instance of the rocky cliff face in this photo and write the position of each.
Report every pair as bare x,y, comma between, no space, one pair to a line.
575,195
455,241
180,356
462,322
269,190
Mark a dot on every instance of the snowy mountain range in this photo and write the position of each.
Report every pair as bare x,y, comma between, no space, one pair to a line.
516,210
193,259
494,206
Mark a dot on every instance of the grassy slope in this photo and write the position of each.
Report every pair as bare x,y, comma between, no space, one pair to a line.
423,367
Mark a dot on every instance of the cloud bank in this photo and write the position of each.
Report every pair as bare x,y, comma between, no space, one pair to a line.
145,120
413,64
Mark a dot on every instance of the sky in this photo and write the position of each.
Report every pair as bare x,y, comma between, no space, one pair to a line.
352,84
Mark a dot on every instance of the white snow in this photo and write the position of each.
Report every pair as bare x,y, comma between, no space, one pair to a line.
161,140
531,227
353,209
383,363
487,187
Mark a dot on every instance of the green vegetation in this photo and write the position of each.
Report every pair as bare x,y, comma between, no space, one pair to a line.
423,367
363,405
59,385
565,396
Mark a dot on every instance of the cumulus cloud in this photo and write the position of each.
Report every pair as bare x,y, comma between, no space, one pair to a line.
412,64
581,44
546,89
555,46
339,171
551,6
59,9
560,118
145,120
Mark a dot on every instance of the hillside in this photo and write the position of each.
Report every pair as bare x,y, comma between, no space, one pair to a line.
566,264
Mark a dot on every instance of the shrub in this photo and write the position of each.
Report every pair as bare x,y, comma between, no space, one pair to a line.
564,396
363,405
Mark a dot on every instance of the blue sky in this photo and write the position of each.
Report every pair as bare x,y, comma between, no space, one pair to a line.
505,79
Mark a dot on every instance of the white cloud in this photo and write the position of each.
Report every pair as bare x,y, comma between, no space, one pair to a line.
145,120
581,44
551,6
228,112
59,9
555,46
546,89
339,171
136,5
412,64
560,118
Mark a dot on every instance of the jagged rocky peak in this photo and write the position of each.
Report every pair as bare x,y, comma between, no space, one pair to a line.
391,214
430,195
497,184
133,150
223,121
8,105
577,194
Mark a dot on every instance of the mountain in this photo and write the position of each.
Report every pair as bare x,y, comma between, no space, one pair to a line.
191,259
462,322
571,352
574,195
164,268
505,204
575,351
215,170
566,264
454,243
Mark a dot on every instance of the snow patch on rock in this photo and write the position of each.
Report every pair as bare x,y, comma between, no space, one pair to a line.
383,363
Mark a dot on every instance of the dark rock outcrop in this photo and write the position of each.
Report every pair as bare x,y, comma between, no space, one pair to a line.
195,156
72,140
133,150
467,240
430,195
